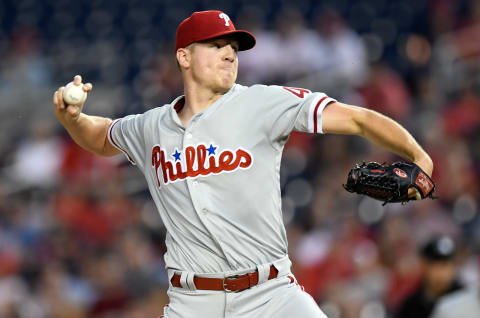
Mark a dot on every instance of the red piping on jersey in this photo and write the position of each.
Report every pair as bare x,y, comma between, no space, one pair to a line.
179,105
291,279
115,144
315,128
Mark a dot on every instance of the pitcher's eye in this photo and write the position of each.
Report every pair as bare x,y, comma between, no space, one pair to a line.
215,44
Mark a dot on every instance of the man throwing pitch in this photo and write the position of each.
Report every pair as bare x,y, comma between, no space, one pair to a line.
212,158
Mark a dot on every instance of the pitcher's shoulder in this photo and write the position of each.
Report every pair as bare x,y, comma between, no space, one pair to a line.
272,89
158,111
151,115
256,89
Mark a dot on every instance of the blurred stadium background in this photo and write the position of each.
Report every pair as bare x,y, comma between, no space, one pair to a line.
79,235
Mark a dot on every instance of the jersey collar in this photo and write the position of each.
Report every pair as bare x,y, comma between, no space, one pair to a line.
178,106
179,102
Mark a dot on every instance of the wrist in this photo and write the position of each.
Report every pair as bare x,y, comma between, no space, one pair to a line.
71,120
426,163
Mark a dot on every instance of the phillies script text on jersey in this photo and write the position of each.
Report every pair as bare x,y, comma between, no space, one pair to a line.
195,162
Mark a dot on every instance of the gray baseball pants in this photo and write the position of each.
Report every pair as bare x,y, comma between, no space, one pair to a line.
280,297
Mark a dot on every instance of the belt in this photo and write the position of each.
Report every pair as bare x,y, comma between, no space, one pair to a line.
229,284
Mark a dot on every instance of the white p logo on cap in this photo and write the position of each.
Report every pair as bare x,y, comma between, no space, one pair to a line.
225,17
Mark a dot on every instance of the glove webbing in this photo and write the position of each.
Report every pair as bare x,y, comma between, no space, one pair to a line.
381,185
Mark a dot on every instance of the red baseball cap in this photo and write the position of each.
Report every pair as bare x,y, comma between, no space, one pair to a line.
204,25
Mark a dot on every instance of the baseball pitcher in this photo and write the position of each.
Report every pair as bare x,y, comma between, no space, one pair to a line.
211,159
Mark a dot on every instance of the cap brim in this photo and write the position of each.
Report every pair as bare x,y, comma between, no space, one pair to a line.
245,39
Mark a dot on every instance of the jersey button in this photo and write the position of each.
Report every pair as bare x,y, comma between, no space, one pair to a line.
195,182
205,211
189,135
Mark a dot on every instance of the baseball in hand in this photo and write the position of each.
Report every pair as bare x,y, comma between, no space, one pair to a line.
74,94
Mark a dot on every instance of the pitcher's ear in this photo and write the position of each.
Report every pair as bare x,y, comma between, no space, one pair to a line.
183,57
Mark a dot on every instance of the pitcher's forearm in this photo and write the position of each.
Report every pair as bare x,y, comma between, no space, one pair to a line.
388,134
339,118
90,133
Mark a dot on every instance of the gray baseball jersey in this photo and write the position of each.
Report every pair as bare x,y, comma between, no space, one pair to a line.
464,303
216,182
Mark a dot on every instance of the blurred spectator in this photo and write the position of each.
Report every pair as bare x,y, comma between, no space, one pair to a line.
399,255
261,65
439,279
462,117
37,158
456,169
386,92
25,67
107,273
342,62
443,17
297,49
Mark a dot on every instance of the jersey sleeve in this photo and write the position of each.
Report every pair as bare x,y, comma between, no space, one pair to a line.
127,135
296,109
